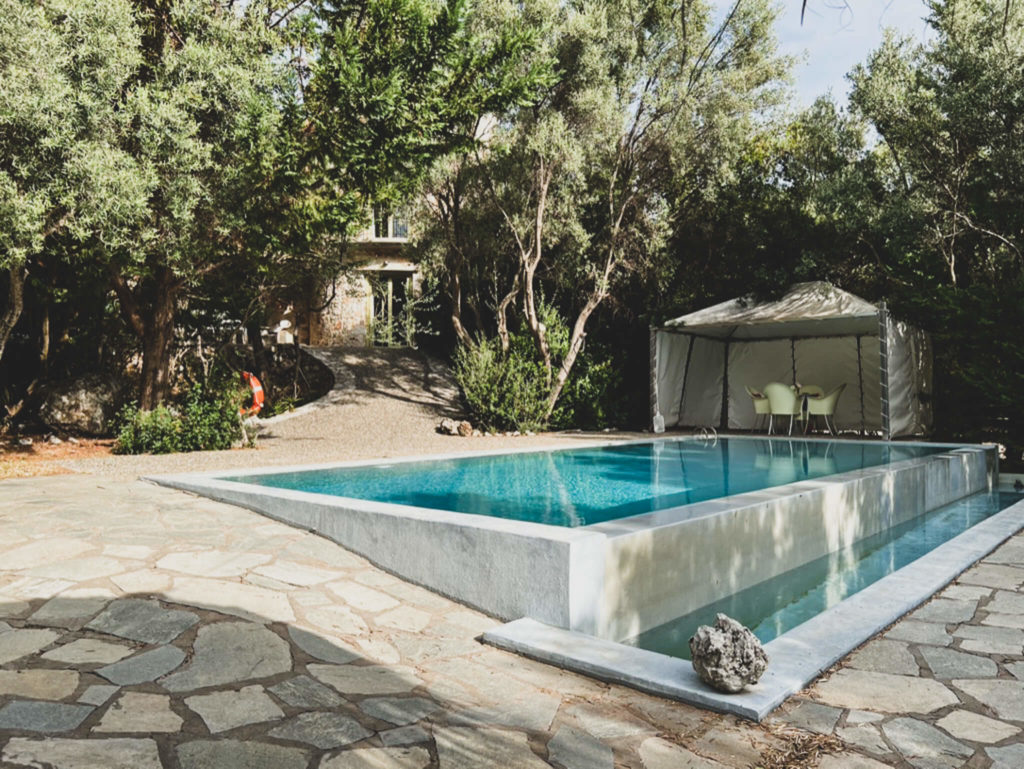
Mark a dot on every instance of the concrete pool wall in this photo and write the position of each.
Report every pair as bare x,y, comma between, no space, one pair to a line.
616,579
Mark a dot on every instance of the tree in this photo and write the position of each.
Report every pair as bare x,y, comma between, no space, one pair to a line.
651,97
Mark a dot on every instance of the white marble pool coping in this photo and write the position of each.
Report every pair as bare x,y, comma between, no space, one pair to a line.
795,658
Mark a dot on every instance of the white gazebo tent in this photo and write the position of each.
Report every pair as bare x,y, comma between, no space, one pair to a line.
815,334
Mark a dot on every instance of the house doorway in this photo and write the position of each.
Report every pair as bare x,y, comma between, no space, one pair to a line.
392,324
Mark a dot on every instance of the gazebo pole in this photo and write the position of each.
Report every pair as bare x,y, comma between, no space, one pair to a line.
883,353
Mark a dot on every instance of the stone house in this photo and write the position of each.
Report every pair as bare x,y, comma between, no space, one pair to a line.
367,304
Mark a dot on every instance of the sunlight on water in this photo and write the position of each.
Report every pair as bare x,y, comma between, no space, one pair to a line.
577,487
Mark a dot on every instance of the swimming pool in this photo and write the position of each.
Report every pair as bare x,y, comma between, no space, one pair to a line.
623,538
581,487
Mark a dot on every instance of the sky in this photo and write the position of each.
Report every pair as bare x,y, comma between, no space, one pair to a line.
836,36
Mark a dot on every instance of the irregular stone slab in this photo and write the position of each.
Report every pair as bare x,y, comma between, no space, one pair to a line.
338,620
730,746
1016,669
142,620
462,748
404,735
1003,696
946,611
657,753
131,552
1005,620
367,679
135,712
1009,757
970,726
15,644
1006,602
98,694
323,648
361,597
862,717
229,652
117,753
142,581
235,754
38,684
320,549
849,761
399,711
304,692
950,663
992,575
322,730
230,709
33,716
812,717
573,749
294,573
920,633
969,592
379,758
88,651
1011,551
80,569
147,666
36,588
864,736
379,650
924,746
44,551
883,692
607,725
404,618
12,608
72,607
886,656
533,710
240,600
990,640
212,563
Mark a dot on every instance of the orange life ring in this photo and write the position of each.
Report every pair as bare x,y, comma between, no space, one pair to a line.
257,395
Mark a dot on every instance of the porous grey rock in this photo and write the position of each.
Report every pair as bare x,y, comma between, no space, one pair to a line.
86,404
727,656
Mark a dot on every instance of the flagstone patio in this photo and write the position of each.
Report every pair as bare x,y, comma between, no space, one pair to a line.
141,627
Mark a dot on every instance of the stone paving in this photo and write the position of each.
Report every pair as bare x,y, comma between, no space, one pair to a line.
941,689
143,628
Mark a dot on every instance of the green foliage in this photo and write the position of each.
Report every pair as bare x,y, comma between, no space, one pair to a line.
503,391
147,432
208,420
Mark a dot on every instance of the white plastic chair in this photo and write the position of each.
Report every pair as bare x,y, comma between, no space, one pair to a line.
782,401
825,407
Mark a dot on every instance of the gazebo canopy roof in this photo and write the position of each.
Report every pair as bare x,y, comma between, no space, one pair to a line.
807,310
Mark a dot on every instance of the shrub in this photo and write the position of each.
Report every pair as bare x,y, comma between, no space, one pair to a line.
503,392
208,420
147,432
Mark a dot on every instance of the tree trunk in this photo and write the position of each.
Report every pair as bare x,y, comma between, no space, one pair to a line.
575,346
15,303
158,342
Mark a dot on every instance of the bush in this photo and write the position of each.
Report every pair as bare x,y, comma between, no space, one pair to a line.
147,432
503,392
207,421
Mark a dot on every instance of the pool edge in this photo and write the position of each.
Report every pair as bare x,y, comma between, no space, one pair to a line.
796,658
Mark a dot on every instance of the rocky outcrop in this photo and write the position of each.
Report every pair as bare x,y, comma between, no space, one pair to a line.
451,427
727,656
86,405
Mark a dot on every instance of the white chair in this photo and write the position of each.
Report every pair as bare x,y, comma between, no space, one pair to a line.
782,401
761,409
825,407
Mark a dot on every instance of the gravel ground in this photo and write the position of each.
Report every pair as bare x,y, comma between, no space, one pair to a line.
384,403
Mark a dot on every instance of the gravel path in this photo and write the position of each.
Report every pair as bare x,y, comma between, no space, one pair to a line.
384,403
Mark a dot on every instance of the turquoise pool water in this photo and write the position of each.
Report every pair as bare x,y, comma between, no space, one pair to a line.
577,487
780,604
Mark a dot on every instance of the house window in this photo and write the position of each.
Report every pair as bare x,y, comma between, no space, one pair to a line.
390,225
